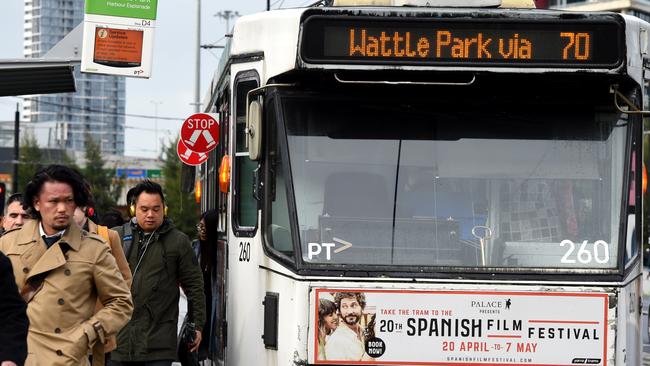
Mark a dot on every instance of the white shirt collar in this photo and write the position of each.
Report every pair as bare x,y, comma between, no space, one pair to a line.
42,232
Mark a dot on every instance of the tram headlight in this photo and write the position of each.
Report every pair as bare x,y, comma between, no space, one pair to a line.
224,174
197,191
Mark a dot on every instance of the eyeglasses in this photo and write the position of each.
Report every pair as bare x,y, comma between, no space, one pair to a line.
200,227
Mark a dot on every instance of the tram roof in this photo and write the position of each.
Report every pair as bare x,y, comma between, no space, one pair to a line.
274,37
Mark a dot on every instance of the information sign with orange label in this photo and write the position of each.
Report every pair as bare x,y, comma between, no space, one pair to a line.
118,47
118,37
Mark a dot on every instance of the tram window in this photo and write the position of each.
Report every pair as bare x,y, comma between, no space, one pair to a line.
279,226
245,202
631,242
220,151
544,179
247,213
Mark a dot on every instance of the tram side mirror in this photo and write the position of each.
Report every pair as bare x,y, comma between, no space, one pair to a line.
254,130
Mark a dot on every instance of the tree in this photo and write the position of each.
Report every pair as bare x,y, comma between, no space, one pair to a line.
30,160
183,210
105,189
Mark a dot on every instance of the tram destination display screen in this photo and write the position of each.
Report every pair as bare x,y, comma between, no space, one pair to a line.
460,42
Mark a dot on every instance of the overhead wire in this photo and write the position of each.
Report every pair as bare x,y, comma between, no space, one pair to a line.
90,110
79,126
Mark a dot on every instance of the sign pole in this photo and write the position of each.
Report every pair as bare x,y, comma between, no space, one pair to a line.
197,76
16,148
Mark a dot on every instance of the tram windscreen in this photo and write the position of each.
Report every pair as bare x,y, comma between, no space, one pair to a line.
458,177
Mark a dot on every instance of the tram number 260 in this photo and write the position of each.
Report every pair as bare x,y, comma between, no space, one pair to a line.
244,252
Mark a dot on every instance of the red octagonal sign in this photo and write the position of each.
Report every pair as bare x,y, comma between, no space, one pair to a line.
188,156
200,132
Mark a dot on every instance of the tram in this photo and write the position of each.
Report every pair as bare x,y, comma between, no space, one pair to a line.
429,183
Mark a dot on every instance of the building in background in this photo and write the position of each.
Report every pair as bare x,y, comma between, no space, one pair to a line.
97,108
131,169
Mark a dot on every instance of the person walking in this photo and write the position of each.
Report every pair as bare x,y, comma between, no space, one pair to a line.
206,250
61,272
14,325
161,258
115,244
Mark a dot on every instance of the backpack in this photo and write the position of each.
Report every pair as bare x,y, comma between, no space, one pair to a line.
127,238
103,232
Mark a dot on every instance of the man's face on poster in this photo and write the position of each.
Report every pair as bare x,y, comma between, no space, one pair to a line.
350,310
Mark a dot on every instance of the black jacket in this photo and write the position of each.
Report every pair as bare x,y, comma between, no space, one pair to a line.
13,312
168,261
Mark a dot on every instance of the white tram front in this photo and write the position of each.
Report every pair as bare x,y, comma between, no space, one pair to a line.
419,185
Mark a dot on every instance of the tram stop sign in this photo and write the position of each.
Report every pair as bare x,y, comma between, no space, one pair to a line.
200,132
188,156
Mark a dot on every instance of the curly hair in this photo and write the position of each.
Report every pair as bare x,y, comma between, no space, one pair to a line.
359,296
55,173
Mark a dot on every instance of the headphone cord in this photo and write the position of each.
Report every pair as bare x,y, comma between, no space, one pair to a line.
146,246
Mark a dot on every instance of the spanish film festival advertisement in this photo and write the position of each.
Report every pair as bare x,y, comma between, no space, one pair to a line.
411,327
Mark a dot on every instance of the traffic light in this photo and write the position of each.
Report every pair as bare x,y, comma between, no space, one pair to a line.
3,191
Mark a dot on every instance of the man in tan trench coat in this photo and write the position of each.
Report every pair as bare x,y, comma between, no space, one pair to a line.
115,244
62,271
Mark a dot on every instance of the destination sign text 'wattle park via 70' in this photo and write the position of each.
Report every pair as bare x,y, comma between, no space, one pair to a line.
593,44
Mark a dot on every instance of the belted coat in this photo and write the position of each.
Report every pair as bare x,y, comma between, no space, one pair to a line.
80,270
115,243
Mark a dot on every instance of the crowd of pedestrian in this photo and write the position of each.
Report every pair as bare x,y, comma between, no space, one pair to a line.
75,292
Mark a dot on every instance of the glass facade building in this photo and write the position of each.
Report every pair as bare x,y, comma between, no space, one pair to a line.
96,109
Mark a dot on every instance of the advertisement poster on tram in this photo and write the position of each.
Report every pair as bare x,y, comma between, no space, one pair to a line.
411,327
118,37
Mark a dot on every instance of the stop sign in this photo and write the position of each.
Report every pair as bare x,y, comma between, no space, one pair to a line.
200,132
188,156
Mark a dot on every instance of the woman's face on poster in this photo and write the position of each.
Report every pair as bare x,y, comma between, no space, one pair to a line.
331,321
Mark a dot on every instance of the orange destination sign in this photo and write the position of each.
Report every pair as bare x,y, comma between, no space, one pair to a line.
118,47
596,42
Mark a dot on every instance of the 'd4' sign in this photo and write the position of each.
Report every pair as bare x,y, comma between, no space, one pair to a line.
200,132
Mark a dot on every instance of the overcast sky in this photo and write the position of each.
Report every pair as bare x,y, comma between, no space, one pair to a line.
171,87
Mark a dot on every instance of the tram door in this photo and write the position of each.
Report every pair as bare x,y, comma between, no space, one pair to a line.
220,202
240,219
217,198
